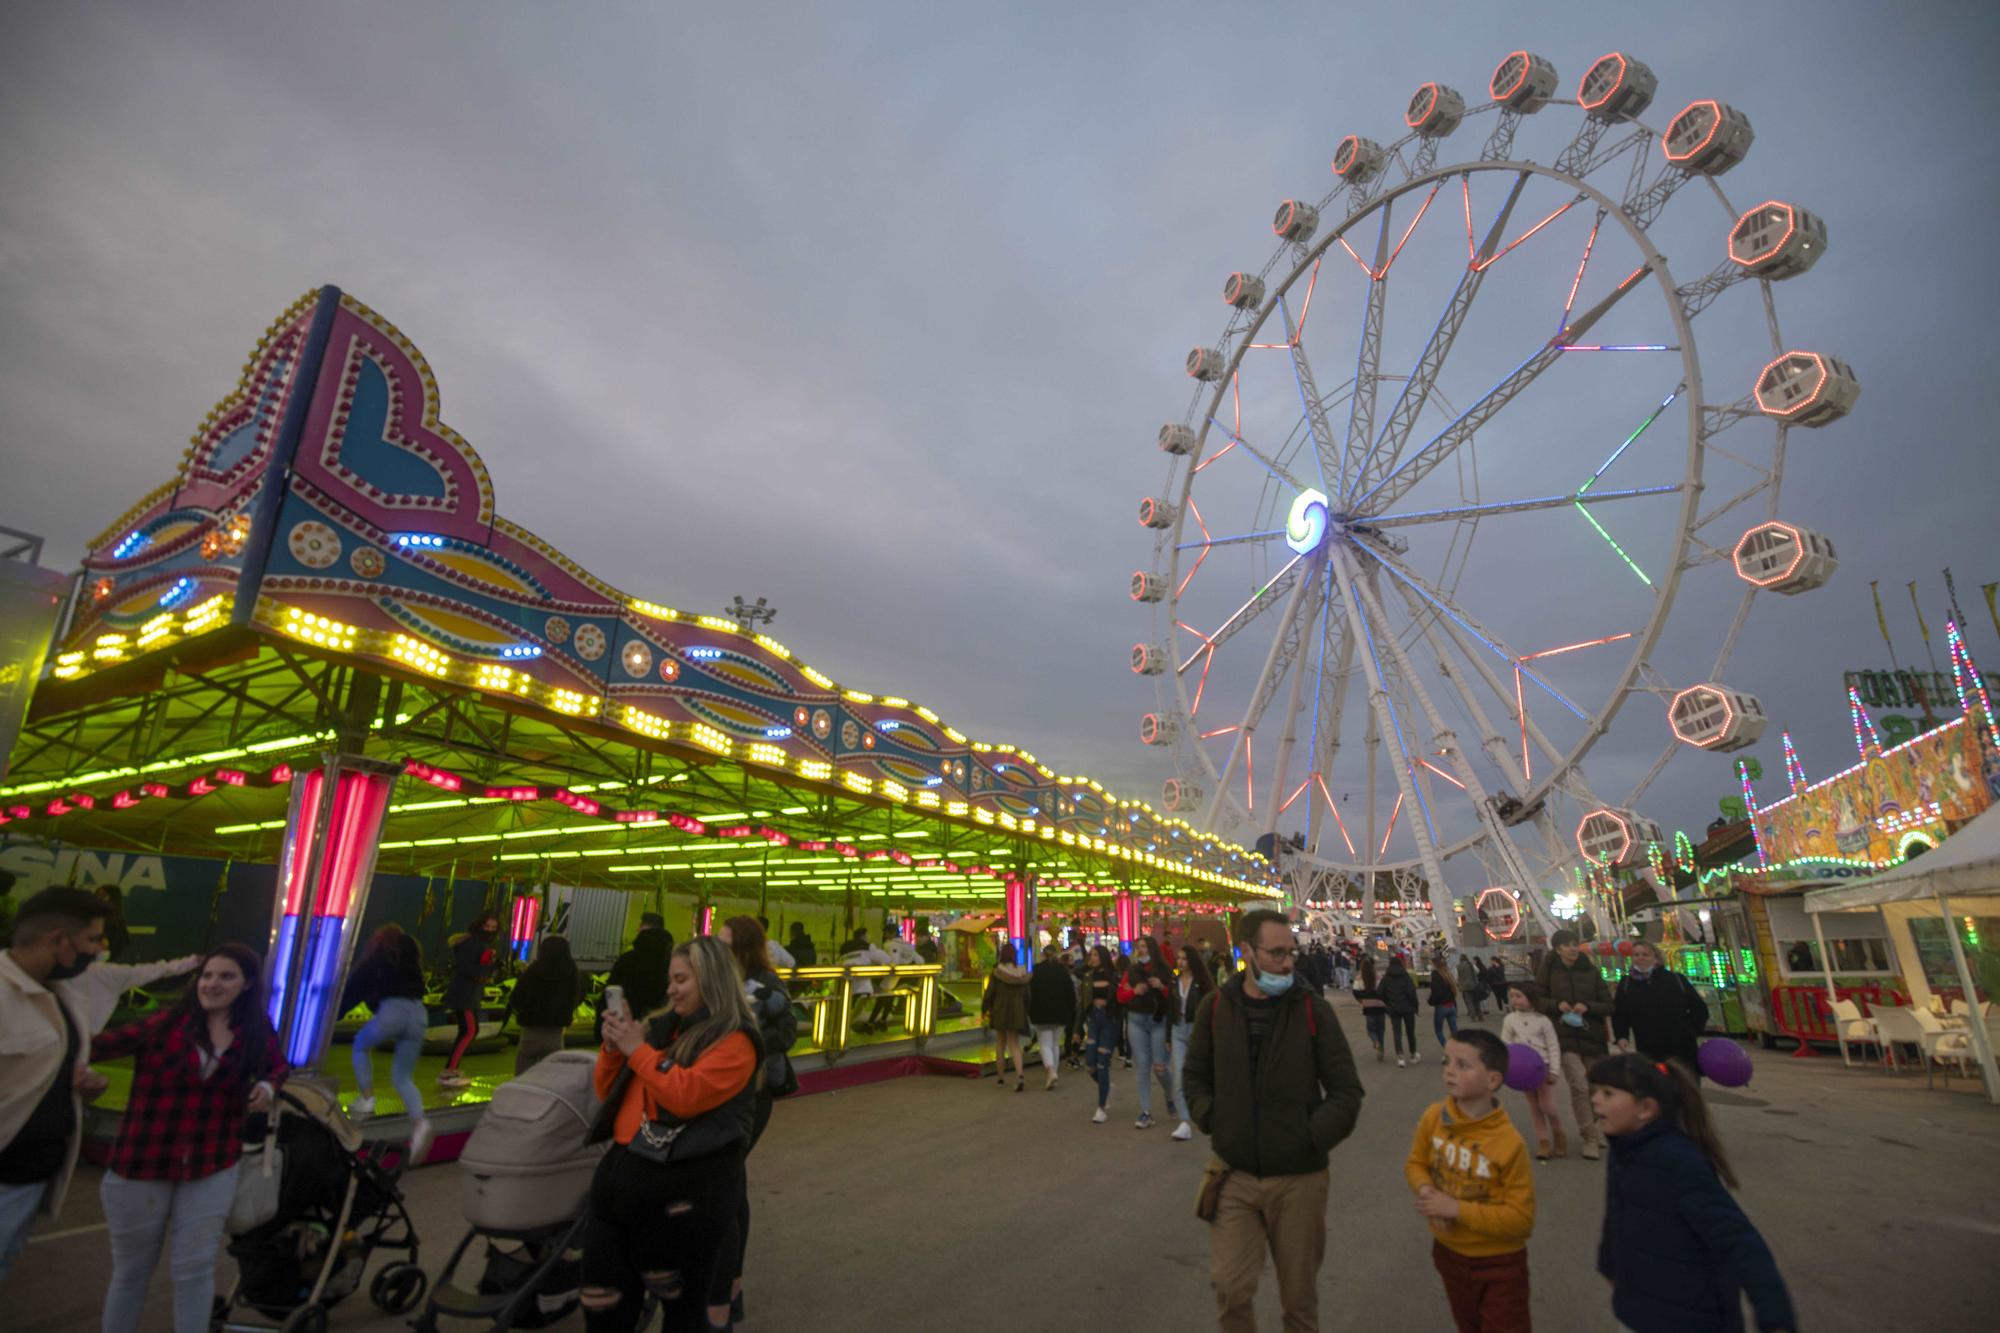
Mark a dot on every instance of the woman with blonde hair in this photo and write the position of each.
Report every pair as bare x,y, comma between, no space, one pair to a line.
679,1090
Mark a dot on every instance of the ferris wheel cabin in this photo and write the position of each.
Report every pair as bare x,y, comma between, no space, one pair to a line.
1147,587
1784,558
1777,240
1181,796
1358,159
1176,439
1295,221
1611,836
1245,291
1148,659
1523,82
1617,88
1206,363
1435,110
1155,512
1715,717
1708,137
1157,730
1807,389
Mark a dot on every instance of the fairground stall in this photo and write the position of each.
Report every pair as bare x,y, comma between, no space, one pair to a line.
315,682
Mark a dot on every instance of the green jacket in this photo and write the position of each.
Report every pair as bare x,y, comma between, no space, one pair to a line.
1581,984
1303,1098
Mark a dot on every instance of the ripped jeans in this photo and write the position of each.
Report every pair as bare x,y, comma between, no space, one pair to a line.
657,1229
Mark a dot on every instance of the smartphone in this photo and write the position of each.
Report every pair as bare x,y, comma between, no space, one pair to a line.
614,1000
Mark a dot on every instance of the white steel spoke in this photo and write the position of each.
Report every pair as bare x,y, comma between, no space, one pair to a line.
1285,646
1453,515
1324,445
1247,613
1368,357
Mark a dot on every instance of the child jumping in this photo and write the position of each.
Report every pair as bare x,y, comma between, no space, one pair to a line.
1525,1025
1469,1169
1678,1251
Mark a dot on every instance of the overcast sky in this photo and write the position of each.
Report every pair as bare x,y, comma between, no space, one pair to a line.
874,309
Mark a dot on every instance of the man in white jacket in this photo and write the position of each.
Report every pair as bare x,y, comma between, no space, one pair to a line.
44,1057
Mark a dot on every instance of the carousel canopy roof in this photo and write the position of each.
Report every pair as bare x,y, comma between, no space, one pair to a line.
327,571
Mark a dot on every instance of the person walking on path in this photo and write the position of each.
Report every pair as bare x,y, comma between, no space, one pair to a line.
1443,1001
544,1002
473,963
777,1029
642,969
1494,974
1147,993
1658,1010
1051,1010
1677,1249
1101,1038
1004,1009
1271,1082
661,1210
1469,1170
1399,997
1577,1001
1374,1010
1192,985
44,1076
389,979
1525,1025
1472,986
200,1067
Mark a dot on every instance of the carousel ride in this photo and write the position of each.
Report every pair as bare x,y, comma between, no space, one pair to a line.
1428,534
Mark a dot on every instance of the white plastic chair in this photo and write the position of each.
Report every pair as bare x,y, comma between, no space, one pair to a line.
1941,1043
1894,1024
1853,1028
1962,1010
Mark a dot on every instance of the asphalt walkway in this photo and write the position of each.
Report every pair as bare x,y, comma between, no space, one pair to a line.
923,1203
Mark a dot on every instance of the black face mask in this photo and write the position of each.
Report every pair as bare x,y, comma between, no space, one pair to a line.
63,972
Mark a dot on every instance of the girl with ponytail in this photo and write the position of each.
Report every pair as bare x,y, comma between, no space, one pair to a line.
1678,1251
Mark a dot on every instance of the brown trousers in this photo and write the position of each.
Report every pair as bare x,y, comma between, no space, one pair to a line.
536,1045
1285,1215
1487,1295
1577,1075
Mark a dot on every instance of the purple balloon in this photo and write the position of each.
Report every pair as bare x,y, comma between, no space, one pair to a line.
1724,1062
1526,1070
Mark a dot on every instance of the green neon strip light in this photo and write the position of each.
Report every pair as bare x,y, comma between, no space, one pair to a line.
1629,564
1581,509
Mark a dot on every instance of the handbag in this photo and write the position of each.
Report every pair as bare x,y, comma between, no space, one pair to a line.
259,1183
780,1079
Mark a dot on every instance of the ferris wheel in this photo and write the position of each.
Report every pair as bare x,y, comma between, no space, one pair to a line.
1455,494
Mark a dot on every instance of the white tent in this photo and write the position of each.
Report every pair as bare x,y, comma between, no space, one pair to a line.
1962,878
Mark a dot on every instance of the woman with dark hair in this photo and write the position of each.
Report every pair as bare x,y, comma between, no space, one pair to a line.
1399,995
1145,991
199,1068
473,963
1193,982
679,1092
1101,1015
1374,1010
778,1028
1004,1007
1677,1249
544,1002
1443,1000
389,979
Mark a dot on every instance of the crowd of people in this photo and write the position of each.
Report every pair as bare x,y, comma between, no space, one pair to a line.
693,1055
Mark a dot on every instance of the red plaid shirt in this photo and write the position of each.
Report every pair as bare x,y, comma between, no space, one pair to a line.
179,1125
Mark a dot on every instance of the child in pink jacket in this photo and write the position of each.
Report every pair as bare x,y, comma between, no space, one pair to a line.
1527,1026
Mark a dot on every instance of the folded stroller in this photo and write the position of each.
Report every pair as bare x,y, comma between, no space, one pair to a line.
525,1175
337,1205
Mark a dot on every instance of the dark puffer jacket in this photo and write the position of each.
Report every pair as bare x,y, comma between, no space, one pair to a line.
1578,983
1661,1014
1399,991
1676,1246
1051,995
1284,1116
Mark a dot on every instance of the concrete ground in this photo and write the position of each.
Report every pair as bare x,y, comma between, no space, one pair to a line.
926,1202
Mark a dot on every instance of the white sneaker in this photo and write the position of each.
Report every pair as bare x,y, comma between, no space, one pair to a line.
1401,1063
362,1105
1416,1057
1184,1133
420,1141
1100,1117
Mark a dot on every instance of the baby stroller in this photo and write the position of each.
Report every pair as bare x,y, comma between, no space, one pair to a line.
525,1174
337,1205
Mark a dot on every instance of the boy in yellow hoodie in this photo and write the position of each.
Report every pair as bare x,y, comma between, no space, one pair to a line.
1469,1168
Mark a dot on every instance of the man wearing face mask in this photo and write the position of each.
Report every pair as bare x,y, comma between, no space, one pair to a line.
1270,1080
1578,1002
44,1049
